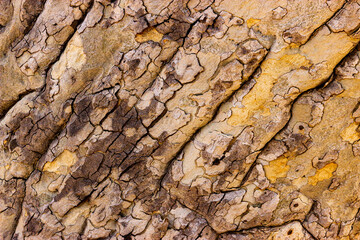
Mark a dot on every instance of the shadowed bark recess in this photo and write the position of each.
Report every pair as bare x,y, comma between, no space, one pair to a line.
183,119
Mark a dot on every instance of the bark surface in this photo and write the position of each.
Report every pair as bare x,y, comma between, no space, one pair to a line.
182,119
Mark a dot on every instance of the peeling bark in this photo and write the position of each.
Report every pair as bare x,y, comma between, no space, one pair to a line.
182,119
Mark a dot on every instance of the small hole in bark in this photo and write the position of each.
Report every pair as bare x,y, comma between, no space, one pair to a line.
13,144
216,162
296,205
290,232
301,127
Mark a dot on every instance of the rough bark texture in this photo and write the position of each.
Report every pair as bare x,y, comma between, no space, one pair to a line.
182,119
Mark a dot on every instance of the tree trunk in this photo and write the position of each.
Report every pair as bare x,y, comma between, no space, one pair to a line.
184,119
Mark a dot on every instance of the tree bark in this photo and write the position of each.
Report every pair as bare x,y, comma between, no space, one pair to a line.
184,119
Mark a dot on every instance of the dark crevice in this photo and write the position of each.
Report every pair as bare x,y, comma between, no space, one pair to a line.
20,97
313,34
42,91
215,113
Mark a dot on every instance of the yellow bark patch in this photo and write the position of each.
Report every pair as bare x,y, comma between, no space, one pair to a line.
271,70
323,174
251,22
238,116
339,41
149,34
350,134
61,164
352,87
276,169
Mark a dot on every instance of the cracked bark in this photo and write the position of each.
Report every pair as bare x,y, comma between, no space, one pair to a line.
139,119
